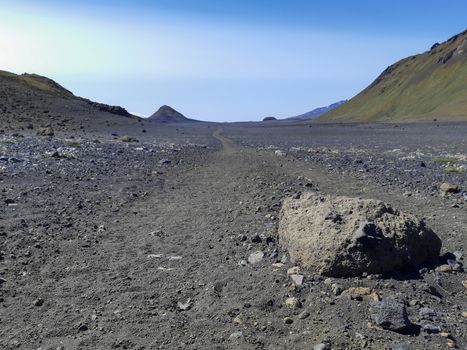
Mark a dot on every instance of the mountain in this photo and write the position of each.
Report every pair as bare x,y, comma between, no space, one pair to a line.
30,100
431,85
167,114
317,112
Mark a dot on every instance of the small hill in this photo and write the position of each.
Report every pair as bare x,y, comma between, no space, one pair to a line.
269,119
317,112
431,85
167,114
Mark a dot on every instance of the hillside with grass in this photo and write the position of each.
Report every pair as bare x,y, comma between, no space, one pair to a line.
428,86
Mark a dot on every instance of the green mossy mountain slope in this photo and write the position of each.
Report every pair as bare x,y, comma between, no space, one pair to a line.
428,86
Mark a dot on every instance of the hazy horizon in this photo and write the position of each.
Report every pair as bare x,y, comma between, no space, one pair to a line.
219,61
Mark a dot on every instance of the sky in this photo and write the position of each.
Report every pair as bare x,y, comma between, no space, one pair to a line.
219,60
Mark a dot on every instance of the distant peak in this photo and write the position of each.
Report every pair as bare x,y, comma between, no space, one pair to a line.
166,114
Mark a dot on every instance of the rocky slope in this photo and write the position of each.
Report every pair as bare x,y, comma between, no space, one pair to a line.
428,86
28,101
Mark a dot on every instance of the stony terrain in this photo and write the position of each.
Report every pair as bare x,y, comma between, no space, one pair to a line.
168,239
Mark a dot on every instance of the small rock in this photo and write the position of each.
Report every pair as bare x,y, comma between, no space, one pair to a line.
303,315
337,289
164,161
83,327
39,302
184,306
243,263
321,346
443,268
256,257
446,187
292,303
426,312
280,153
391,314
297,279
236,335
2,280
45,132
288,320
429,328
256,239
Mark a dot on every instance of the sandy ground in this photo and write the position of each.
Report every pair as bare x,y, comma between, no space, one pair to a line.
117,247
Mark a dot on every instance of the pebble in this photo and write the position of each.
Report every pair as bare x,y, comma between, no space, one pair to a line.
336,289
288,320
256,257
321,346
184,306
292,303
390,314
429,328
303,315
297,279
236,335
39,302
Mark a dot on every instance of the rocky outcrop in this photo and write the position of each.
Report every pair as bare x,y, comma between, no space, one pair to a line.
342,236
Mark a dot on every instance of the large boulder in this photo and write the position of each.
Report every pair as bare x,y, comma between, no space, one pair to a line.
342,236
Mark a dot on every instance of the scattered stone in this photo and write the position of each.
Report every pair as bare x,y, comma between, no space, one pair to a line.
372,237
236,335
256,239
443,268
391,314
243,262
464,283
39,302
280,153
336,289
184,306
83,327
297,279
2,280
321,346
446,187
429,328
288,320
255,257
292,303
164,161
303,315
426,312
45,132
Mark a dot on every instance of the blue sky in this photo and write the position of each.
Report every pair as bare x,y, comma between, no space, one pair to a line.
219,60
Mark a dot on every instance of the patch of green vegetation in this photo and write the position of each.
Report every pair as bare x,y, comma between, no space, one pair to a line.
445,160
454,170
74,144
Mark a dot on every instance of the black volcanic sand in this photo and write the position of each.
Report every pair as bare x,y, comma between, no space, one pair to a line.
136,245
